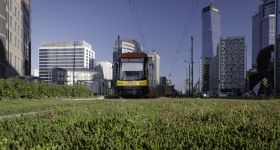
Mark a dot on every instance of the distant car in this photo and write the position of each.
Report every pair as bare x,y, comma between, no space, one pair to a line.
249,94
202,95
199,95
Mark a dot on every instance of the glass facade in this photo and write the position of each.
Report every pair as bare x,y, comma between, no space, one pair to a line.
211,31
277,56
263,28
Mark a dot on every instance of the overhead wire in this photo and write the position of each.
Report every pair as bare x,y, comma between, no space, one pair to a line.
181,40
185,32
137,21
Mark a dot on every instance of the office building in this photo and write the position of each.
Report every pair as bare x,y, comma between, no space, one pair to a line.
204,74
231,65
75,56
263,28
105,68
211,32
15,38
81,76
277,53
124,46
154,68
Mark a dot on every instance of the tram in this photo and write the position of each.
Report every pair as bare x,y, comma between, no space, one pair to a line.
132,75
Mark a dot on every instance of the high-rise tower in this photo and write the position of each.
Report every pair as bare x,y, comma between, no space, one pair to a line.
263,28
211,33
277,52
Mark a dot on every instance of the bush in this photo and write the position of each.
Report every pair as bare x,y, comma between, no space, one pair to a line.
16,89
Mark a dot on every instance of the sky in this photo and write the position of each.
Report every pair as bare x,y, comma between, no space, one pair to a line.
166,25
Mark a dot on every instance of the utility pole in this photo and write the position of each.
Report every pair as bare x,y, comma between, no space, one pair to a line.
192,64
190,80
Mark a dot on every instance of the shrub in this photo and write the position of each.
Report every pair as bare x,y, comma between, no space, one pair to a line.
15,89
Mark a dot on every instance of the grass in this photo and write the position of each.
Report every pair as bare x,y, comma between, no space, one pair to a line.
141,124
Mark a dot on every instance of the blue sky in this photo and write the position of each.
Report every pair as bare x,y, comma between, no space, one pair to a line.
163,23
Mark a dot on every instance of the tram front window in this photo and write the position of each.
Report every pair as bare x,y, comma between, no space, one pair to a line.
132,71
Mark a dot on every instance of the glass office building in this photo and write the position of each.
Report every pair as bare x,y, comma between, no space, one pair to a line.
263,28
211,31
76,55
277,53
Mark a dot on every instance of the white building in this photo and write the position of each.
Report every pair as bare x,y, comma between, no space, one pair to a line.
77,55
154,68
80,76
231,64
105,68
15,38
35,72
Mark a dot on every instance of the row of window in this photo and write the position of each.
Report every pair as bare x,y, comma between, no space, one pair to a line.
61,50
62,66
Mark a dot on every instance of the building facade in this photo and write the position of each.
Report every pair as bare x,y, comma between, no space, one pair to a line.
204,74
77,55
263,28
124,46
81,76
231,64
105,68
211,32
277,53
154,68
15,38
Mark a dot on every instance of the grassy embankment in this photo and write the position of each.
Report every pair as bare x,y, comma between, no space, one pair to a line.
146,124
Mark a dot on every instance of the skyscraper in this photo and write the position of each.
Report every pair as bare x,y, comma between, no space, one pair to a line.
231,64
263,28
211,32
15,38
277,52
77,55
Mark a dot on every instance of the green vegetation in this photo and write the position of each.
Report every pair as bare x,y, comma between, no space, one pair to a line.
15,89
141,124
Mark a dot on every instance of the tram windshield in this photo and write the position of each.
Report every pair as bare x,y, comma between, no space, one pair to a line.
132,71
